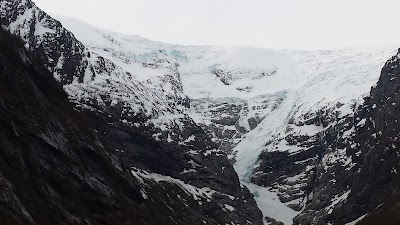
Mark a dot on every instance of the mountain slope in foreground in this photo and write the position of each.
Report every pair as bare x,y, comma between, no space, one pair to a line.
56,170
177,181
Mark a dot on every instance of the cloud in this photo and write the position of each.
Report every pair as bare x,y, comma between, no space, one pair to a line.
306,24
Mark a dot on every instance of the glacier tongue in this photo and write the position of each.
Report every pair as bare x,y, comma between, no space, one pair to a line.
270,205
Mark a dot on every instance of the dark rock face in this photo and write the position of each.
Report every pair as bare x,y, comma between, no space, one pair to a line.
51,46
223,126
271,221
378,141
380,138
373,149
143,174
53,169
388,213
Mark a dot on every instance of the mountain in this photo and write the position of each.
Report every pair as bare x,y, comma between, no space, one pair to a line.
378,139
181,177
229,131
55,169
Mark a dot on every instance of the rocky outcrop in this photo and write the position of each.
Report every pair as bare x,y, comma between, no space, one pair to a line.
371,152
54,169
227,120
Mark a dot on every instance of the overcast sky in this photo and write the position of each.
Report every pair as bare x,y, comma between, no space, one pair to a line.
292,24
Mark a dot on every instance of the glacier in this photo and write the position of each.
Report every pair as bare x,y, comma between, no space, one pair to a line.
275,86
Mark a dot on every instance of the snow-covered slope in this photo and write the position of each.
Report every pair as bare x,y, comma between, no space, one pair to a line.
325,78
251,100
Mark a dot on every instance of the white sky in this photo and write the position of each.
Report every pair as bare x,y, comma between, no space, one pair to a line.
292,24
